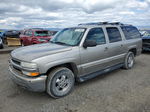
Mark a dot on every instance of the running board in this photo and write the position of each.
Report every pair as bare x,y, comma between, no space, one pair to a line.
95,74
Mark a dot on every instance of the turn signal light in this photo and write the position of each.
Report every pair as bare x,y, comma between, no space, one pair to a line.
34,74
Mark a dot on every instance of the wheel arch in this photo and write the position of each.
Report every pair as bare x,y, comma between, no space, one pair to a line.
72,66
134,50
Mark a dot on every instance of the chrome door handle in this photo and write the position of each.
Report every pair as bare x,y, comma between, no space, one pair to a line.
106,48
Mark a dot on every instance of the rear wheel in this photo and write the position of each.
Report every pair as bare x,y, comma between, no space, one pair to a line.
60,82
129,60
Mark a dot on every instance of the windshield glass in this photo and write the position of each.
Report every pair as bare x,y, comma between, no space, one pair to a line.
69,36
42,33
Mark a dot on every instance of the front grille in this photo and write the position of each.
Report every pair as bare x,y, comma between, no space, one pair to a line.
16,68
16,61
146,40
16,65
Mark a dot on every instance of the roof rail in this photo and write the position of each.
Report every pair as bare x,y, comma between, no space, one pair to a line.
95,23
116,23
102,23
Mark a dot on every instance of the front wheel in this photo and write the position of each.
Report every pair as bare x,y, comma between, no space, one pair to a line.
129,60
1,46
60,82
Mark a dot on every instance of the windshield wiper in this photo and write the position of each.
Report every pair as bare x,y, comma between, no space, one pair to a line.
61,43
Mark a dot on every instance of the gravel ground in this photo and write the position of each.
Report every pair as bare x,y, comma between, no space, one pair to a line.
118,91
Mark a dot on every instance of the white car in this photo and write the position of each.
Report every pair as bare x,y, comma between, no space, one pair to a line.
1,44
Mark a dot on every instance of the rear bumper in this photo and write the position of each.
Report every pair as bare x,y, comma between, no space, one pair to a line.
37,84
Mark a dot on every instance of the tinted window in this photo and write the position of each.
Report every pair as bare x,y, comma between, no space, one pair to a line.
130,32
113,34
41,33
97,35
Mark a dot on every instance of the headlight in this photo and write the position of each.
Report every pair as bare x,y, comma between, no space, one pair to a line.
29,65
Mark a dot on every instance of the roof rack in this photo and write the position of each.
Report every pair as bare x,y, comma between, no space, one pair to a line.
102,23
95,23
116,23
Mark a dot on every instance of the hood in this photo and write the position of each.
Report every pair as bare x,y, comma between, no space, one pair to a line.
32,52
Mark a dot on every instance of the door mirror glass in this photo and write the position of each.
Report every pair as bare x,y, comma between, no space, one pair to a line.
89,43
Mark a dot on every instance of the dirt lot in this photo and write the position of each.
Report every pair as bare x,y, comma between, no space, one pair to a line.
118,91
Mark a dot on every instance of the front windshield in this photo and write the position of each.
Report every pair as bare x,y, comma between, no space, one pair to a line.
69,36
42,33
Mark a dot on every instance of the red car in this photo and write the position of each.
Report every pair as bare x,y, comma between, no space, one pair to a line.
34,36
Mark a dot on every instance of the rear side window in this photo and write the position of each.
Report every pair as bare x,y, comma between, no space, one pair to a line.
113,34
130,32
97,35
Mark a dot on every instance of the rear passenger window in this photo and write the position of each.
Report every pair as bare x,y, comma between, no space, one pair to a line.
97,35
113,34
130,32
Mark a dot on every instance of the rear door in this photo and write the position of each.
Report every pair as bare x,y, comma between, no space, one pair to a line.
116,48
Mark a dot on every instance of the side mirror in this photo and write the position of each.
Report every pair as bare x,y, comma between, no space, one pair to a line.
89,43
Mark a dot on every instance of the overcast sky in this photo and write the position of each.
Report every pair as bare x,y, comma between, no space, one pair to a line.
64,13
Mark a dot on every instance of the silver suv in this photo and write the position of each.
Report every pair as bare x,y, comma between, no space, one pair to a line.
75,54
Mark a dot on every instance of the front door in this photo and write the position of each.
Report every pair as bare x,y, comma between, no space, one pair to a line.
93,58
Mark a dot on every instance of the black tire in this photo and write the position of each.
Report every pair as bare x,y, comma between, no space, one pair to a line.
129,60
1,46
60,82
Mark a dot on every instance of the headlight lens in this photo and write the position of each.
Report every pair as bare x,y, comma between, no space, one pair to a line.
29,65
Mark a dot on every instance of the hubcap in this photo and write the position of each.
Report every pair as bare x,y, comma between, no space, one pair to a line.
62,83
130,61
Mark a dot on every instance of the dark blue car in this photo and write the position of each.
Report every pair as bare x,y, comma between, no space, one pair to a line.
146,40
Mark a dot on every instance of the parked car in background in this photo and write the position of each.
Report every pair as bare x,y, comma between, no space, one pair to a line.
12,33
1,43
34,36
75,54
52,32
2,34
146,39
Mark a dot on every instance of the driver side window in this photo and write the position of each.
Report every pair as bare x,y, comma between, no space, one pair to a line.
96,34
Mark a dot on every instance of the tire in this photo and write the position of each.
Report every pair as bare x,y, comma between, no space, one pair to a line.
129,60
1,46
60,82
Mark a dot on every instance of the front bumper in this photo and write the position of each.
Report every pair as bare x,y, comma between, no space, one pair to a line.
37,84
146,46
